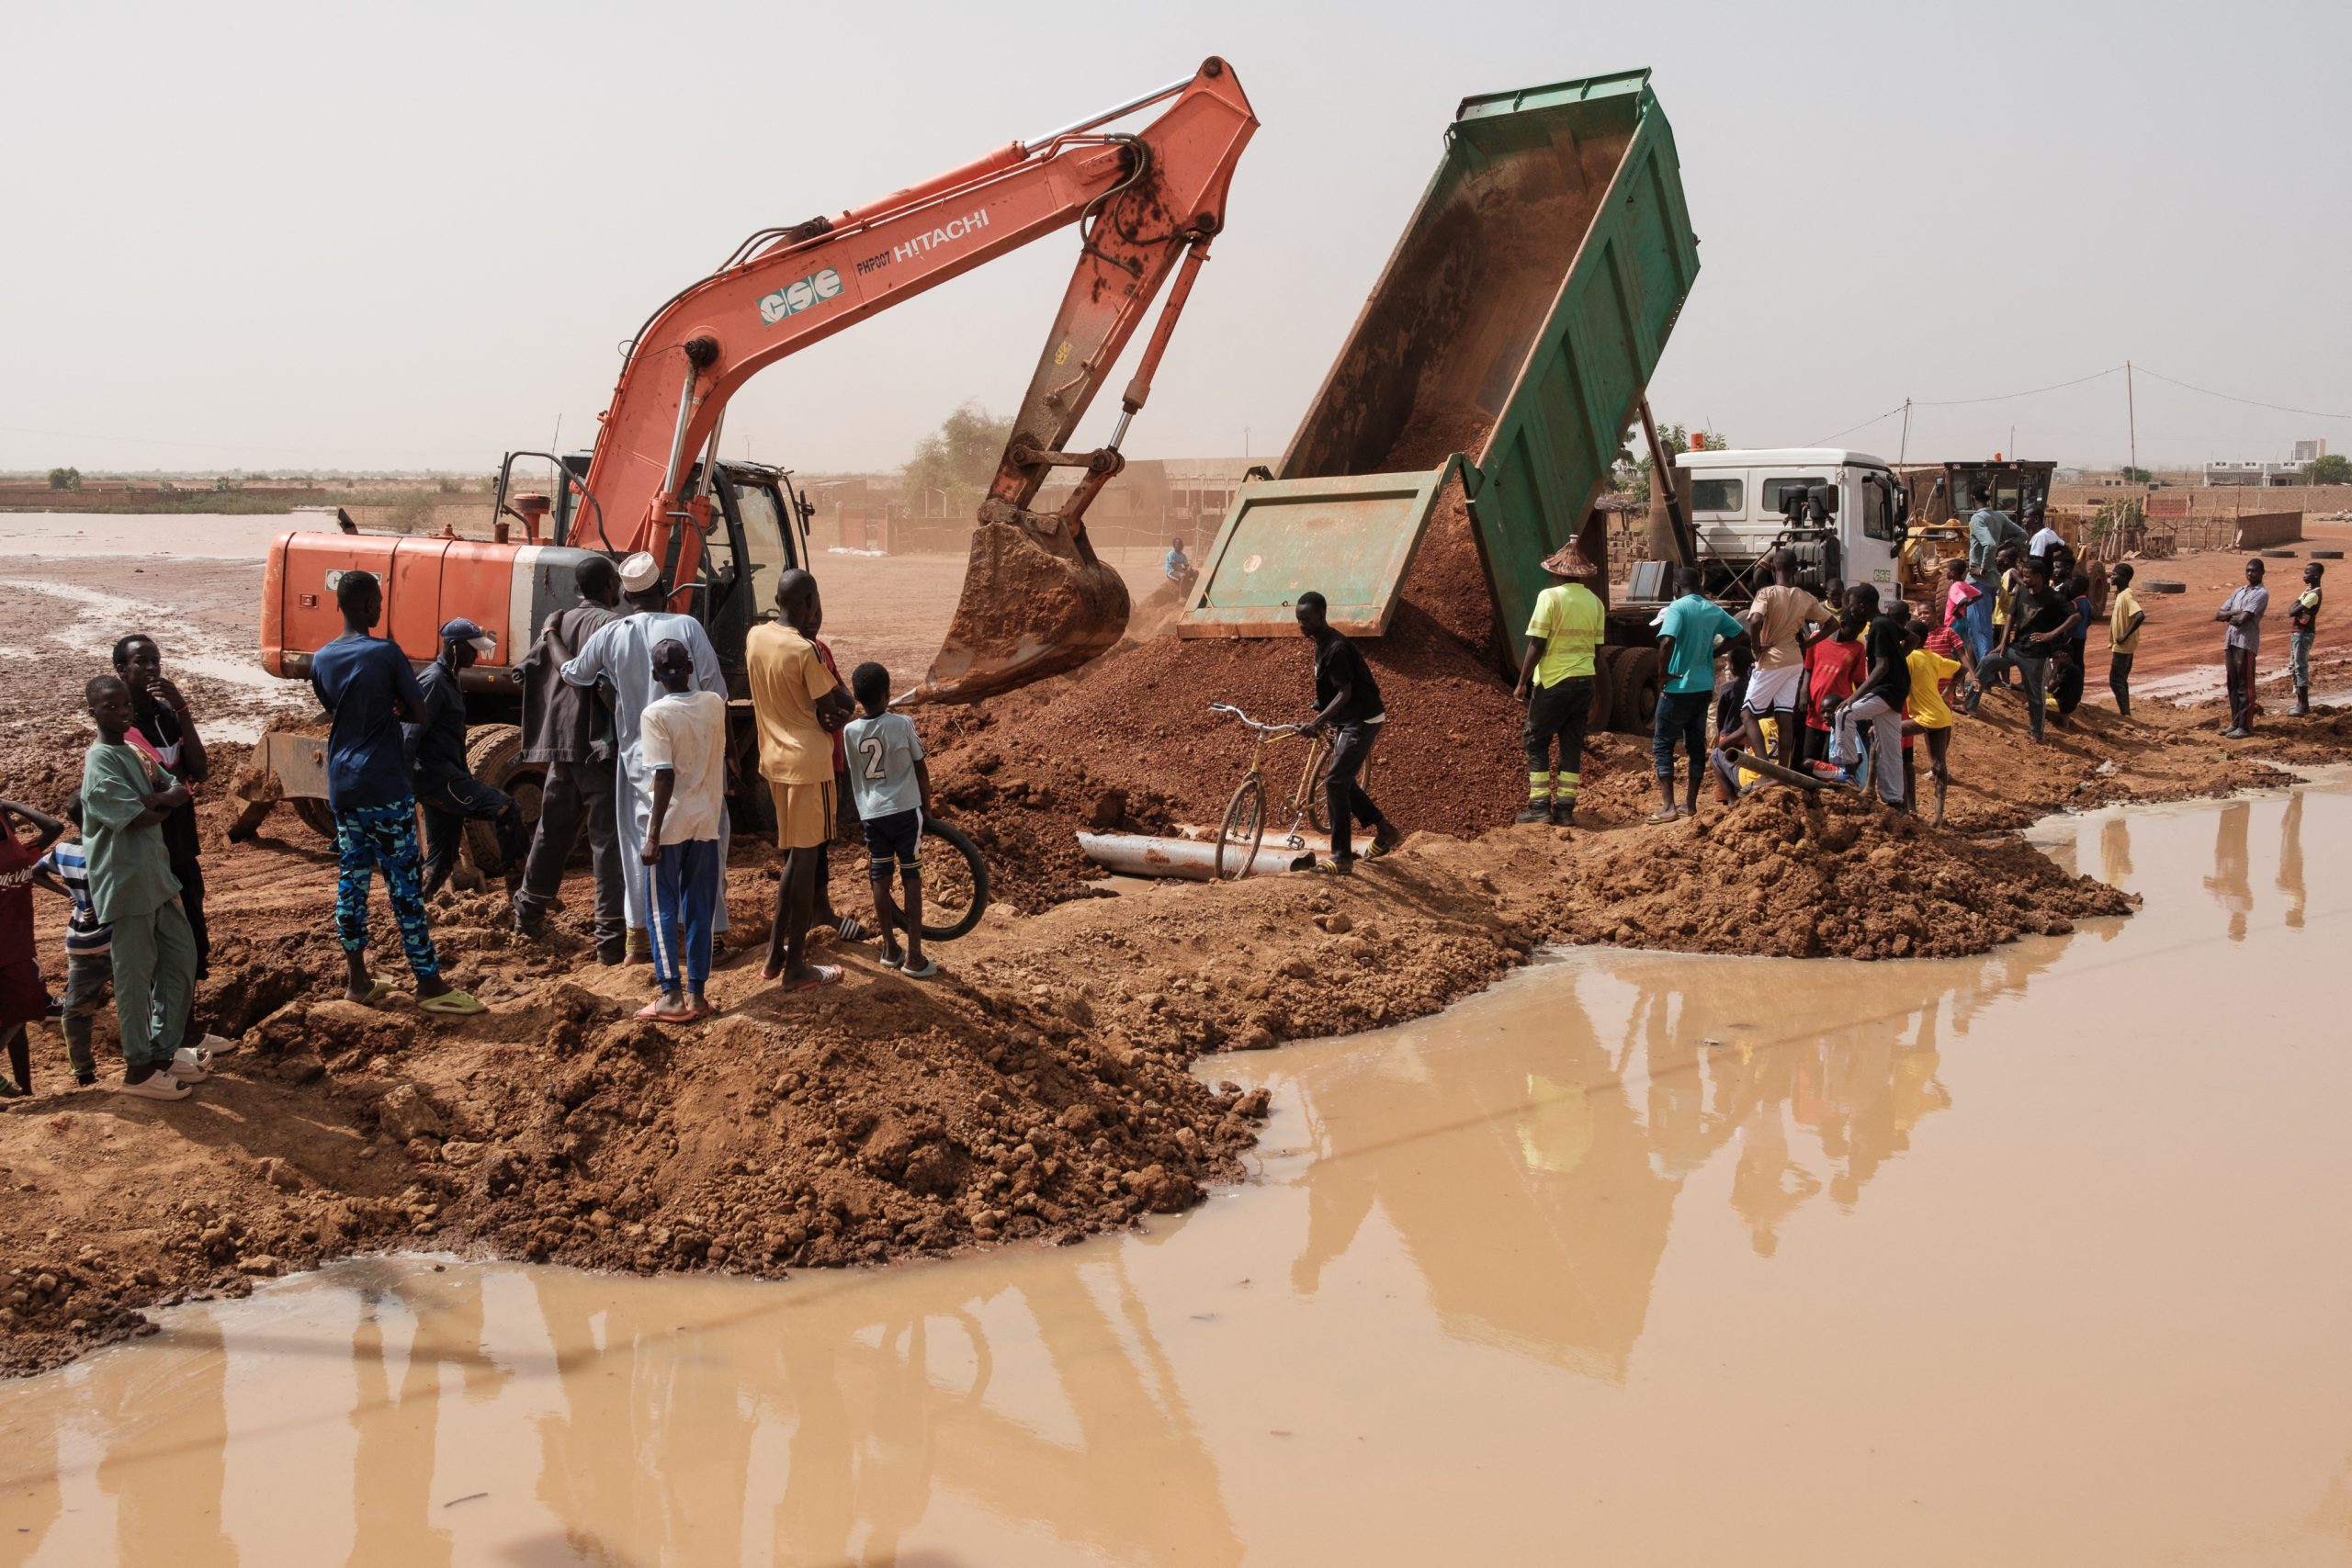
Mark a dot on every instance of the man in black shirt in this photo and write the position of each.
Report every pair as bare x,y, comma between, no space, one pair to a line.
1878,701
2039,617
161,726
1347,703
569,730
445,787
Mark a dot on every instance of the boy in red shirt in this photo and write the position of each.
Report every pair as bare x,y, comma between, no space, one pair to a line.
24,996
1833,667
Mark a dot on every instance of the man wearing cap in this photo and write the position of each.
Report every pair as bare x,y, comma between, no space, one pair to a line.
621,654
1555,678
445,787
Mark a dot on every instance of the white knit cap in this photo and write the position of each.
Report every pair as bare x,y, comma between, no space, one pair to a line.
639,572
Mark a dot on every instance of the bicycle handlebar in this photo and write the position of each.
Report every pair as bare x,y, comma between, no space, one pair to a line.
1249,723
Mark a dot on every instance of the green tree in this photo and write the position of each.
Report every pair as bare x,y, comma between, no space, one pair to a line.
2334,468
65,478
956,461
1631,475
2132,476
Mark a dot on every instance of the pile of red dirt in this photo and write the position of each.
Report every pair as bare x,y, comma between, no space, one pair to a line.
1799,875
1138,720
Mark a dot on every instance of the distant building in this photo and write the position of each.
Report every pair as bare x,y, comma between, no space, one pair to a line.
2217,475
2310,451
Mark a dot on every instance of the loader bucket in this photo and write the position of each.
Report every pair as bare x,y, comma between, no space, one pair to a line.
1036,602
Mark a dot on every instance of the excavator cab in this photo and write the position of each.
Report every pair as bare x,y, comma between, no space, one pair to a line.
759,530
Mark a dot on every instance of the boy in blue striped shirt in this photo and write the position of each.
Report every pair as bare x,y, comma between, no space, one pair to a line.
89,945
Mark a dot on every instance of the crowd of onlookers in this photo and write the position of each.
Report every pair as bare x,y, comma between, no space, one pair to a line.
1845,685
625,706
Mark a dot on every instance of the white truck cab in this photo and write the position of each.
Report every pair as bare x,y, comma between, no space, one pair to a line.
1847,528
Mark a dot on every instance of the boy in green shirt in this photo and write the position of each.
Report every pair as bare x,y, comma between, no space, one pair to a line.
132,890
1555,682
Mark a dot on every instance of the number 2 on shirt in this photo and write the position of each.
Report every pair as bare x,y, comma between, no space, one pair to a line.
872,747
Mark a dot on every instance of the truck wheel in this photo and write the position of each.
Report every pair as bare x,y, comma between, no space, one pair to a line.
1634,672
1604,694
494,754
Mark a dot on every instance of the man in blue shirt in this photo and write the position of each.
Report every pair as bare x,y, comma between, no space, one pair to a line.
1176,566
1686,647
1988,530
367,687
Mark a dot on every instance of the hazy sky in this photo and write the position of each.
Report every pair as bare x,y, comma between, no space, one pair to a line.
248,235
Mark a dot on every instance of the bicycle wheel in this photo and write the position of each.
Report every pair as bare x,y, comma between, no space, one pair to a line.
1244,828
954,884
1319,815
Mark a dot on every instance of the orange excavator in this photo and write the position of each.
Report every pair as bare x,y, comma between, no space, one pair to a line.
1036,600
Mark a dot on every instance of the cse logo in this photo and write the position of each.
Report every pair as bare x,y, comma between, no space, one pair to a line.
794,298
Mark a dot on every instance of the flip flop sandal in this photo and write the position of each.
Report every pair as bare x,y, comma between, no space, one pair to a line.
1657,817
651,1012
930,968
890,963
819,974
376,992
213,1045
157,1085
451,1004
851,930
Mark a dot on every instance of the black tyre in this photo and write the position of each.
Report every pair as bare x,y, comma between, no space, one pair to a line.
494,755
1637,675
1243,830
1604,696
955,882
2165,587
2278,555
315,816
2327,555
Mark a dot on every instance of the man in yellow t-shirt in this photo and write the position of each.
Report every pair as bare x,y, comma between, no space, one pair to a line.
798,706
1555,682
2124,617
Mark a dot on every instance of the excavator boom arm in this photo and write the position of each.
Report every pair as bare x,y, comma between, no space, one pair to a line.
1141,201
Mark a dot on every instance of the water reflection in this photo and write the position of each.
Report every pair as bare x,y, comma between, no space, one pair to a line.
1530,1116
2228,885
2290,859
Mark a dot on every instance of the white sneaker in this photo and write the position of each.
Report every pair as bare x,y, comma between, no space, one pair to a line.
161,1083
190,1067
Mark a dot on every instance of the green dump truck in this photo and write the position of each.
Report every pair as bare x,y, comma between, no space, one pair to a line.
1491,376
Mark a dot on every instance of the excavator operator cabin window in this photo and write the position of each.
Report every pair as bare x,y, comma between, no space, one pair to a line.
763,541
1716,495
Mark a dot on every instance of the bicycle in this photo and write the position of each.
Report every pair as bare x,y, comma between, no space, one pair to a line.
1244,827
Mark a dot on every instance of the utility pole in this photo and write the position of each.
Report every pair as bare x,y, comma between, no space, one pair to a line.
2132,416
1904,449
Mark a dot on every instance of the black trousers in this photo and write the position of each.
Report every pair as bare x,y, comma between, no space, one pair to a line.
2119,680
449,804
190,872
1557,712
2239,663
1344,800
2066,681
577,798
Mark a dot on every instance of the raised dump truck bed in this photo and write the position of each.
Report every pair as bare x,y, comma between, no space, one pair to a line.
1515,326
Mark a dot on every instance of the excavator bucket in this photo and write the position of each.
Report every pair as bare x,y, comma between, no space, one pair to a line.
1036,602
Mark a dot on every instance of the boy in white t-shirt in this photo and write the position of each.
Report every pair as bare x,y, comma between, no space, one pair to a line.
683,739
892,786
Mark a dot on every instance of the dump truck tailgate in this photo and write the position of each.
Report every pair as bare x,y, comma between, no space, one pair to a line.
1517,323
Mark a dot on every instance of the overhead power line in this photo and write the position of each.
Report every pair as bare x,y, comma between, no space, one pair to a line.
2250,403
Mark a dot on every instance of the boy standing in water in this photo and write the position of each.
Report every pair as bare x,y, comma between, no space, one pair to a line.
892,786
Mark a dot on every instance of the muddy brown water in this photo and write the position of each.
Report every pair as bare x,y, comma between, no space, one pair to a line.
2036,1258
